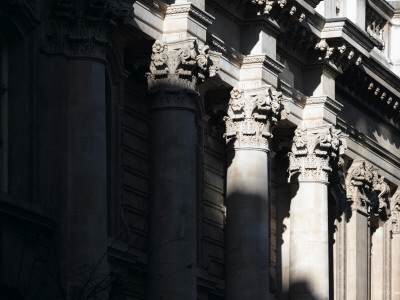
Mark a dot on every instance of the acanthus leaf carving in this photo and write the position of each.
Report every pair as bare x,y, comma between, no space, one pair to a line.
315,153
185,64
380,197
251,116
80,31
395,211
359,185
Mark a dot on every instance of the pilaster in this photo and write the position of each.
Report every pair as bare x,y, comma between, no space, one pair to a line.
251,115
315,154
395,259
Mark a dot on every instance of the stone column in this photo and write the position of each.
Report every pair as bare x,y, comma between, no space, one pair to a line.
251,114
395,263
72,126
358,188
314,152
175,70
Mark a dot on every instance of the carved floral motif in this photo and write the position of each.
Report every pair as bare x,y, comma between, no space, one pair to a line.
251,115
359,185
81,30
182,64
395,211
315,152
380,200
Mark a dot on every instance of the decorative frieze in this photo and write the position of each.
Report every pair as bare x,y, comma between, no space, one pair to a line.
315,152
251,116
395,211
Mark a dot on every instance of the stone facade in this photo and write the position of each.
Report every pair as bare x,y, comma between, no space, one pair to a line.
203,149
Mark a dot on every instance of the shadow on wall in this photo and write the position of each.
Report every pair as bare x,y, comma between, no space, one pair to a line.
301,291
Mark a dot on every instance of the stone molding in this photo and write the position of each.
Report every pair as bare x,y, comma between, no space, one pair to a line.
268,62
340,53
395,210
315,153
199,15
251,116
79,30
179,67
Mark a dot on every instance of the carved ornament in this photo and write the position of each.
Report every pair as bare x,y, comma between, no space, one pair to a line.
395,211
79,30
286,7
380,205
359,185
251,116
315,152
182,64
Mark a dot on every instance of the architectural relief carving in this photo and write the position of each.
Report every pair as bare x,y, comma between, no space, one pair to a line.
341,55
182,64
380,200
315,152
359,185
84,36
251,116
395,211
286,7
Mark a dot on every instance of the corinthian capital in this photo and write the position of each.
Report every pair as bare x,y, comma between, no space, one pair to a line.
395,210
315,152
359,185
180,65
251,116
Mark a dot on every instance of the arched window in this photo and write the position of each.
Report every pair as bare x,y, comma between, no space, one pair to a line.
3,114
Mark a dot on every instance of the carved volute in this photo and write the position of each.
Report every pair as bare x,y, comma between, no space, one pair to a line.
251,116
315,152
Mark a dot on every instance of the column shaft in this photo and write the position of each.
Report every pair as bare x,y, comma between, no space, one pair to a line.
247,229
357,256
309,252
172,250
396,266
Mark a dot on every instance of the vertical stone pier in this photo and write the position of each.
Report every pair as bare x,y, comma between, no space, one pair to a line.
176,69
314,153
358,188
395,207
251,114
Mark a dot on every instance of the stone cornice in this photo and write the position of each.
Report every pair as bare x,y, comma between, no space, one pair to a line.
368,144
345,30
250,117
196,13
268,62
315,153
383,8
330,103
